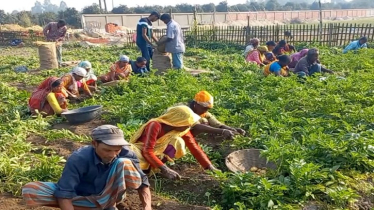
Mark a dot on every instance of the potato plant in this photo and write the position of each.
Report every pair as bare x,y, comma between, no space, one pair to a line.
320,132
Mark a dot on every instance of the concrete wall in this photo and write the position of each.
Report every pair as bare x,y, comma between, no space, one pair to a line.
98,21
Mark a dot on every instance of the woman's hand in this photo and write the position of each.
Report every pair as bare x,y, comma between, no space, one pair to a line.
168,173
228,134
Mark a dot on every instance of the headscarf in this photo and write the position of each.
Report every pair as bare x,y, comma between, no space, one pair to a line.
297,56
177,116
204,99
255,41
85,65
124,58
79,71
262,48
39,96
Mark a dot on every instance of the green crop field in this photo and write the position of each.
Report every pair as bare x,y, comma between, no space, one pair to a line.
320,132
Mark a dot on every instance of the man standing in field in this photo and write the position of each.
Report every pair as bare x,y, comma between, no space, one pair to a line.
94,177
144,36
55,32
174,42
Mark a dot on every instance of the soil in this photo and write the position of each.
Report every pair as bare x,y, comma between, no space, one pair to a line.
194,182
22,86
132,203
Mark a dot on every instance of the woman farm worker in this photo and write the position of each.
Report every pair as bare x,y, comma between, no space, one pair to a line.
296,57
257,56
164,138
356,45
278,68
283,48
253,44
201,104
271,45
48,98
269,58
73,81
90,77
119,70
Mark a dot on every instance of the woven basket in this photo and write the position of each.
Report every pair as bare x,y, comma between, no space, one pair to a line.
243,160
161,48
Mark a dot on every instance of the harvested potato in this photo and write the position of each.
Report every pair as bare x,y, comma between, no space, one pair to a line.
254,169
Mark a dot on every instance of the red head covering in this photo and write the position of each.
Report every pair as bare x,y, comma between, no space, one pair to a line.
38,97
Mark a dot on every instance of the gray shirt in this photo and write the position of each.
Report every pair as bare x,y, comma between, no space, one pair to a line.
174,32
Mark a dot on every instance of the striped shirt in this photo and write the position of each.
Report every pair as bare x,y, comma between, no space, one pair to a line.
53,33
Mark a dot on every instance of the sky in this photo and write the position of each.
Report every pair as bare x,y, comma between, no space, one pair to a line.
79,4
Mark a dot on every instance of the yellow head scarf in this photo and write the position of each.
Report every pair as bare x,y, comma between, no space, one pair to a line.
204,99
262,49
178,116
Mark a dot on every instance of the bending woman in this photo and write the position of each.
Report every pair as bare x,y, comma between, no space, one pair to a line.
118,71
73,82
201,105
164,138
257,56
90,77
48,98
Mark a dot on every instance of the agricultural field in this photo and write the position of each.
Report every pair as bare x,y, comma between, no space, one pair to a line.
319,132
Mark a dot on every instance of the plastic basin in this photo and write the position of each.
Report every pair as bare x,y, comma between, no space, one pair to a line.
82,115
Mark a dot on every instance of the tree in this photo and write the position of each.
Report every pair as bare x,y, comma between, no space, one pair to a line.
71,16
208,7
93,9
24,19
121,9
3,17
49,7
46,17
272,5
37,8
222,7
63,6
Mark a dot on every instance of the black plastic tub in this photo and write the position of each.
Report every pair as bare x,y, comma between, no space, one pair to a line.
82,115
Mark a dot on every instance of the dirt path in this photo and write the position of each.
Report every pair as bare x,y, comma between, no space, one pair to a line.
131,203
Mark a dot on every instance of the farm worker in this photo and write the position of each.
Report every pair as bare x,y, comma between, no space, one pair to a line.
356,45
55,32
174,43
164,138
257,56
201,104
269,58
271,45
144,36
94,177
310,64
139,66
253,44
119,70
279,67
90,77
283,48
48,98
296,57
73,82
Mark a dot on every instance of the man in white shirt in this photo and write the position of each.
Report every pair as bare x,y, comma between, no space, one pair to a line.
175,41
